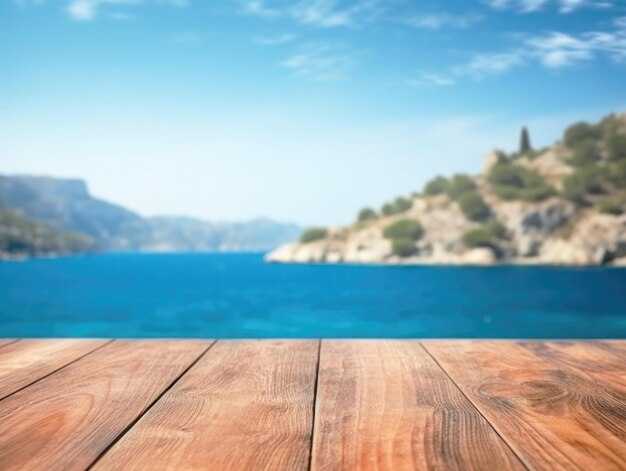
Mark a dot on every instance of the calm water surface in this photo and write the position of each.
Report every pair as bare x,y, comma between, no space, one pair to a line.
217,295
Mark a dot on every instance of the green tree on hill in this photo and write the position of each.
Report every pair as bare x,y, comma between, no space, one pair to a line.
473,206
486,236
579,132
585,153
403,234
399,205
312,234
611,207
460,184
436,186
512,182
403,247
524,144
367,214
404,229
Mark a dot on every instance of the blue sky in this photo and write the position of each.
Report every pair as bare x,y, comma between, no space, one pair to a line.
297,110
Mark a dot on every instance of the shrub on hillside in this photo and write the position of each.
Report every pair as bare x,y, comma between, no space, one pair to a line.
579,132
460,184
477,238
611,207
513,182
402,204
506,174
313,234
497,230
585,153
486,236
616,146
367,214
617,174
436,186
574,188
608,126
404,229
506,193
473,206
399,205
537,193
587,180
388,209
403,247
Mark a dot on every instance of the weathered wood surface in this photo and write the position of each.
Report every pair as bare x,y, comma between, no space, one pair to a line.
554,417
601,361
68,418
387,405
26,361
5,342
245,405
310,405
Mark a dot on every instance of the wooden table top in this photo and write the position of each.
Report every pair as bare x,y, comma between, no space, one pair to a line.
309,404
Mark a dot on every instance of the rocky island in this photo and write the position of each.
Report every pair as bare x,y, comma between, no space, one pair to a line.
561,205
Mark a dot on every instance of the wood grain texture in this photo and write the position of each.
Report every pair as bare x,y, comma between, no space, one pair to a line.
26,361
67,419
387,405
604,361
244,405
554,417
5,342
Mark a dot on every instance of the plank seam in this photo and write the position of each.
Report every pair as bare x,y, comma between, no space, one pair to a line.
519,456
150,406
58,369
315,388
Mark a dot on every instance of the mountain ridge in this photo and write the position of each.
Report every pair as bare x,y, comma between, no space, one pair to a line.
65,207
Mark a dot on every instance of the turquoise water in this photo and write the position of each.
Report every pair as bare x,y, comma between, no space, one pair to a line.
218,295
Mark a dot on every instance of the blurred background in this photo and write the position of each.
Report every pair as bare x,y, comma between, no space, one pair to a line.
312,168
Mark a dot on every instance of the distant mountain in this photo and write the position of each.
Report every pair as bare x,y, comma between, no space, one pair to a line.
561,205
65,206
194,235
20,237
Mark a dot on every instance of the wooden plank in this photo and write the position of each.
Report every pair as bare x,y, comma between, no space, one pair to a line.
5,342
604,361
24,362
553,417
387,405
66,420
244,405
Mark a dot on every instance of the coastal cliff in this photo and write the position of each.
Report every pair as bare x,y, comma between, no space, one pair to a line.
561,205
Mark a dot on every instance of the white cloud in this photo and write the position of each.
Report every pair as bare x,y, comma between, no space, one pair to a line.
274,40
482,65
88,10
259,8
552,50
565,6
557,50
428,79
317,13
322,61
82,10
441,20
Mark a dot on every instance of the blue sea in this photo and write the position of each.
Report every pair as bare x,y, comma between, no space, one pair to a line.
237,295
